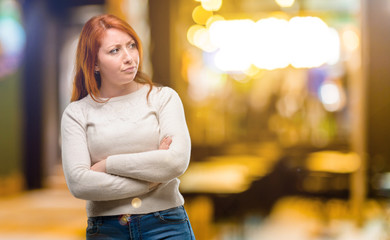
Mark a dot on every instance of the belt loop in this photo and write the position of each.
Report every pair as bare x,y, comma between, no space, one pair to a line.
99,221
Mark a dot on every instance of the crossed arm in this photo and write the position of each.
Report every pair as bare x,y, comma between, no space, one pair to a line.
163,164
125,175
101,165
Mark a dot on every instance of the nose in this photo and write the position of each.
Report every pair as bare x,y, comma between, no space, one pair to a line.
127,58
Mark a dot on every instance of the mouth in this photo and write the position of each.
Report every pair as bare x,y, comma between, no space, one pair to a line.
130,69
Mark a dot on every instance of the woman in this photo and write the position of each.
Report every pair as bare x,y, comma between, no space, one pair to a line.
124,140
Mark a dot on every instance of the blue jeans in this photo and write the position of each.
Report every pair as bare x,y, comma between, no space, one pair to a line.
170,224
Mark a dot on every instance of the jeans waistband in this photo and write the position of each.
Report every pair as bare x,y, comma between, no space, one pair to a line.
121,216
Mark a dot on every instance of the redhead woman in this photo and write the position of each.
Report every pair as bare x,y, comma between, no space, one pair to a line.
125,141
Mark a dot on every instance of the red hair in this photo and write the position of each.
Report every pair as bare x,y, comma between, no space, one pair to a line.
85,80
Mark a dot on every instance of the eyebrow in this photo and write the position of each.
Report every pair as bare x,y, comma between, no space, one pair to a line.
118,44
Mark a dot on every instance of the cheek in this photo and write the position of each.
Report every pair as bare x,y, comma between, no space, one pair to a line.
109,65
136,57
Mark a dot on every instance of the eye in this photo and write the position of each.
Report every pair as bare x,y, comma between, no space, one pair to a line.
133,45
115,50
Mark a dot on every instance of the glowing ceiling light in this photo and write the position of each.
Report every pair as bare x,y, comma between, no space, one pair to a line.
232,34
303,42
269,44
285,3
333,47
212,5
232,61
233,38
310,42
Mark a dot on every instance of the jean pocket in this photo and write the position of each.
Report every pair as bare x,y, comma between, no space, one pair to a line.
173,215
92,228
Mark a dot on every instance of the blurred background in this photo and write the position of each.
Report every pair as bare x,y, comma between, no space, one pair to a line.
287,103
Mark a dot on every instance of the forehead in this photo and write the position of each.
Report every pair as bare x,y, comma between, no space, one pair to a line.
114,36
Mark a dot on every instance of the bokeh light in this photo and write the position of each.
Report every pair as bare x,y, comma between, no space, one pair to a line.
333,162
233,38
213,19
312,42
269,43
200,15
212,5
12,37
331,96
285,3
350,40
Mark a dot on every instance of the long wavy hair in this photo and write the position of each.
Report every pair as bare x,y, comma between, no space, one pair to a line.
85,80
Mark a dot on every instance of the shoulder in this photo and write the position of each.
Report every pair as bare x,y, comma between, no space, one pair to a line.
77,109
162,97
161,93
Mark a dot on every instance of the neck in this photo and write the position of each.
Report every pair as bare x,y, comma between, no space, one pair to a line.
106,92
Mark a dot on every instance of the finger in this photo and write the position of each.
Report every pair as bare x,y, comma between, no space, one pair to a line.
168,140
165,143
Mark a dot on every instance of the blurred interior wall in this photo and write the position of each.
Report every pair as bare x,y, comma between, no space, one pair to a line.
160,34
36,20
370,105
10,132
46,24
376,62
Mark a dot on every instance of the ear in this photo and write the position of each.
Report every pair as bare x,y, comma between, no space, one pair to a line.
97,69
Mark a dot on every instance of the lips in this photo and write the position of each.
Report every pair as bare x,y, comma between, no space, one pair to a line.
130,69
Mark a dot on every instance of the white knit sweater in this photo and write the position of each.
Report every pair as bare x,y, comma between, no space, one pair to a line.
127,131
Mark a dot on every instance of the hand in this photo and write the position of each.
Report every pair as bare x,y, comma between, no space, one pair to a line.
165,143
99,166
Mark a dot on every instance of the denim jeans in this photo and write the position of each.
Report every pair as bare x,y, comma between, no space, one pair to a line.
172,224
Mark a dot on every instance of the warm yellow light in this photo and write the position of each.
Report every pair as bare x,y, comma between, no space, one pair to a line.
232,34
333,45
311,42
332,161
252,71
212,5
351,40
270,50
285,3
232,61
203,82
191,32
200,15
224,174
233,38
200,37
303,42
202,40
213,19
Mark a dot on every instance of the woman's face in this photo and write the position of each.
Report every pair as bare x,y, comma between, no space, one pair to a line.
117,61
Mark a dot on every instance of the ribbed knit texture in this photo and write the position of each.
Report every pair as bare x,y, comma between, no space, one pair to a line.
127,131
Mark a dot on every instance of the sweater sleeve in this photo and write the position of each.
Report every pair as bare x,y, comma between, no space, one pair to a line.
82,182
159,165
